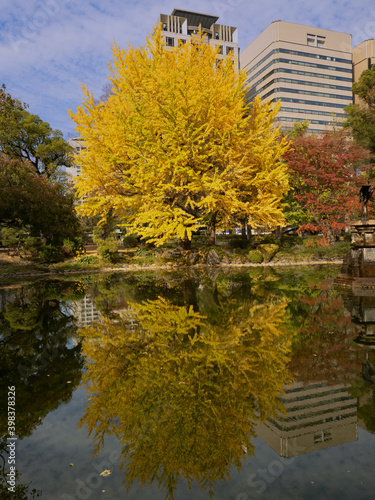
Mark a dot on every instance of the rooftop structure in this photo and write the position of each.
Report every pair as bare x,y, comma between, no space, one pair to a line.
181,24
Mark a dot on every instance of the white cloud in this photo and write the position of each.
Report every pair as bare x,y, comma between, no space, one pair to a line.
48,47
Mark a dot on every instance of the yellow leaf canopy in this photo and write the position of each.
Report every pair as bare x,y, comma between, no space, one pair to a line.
177,142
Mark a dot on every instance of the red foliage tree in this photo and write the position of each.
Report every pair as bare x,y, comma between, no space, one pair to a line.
326,173
324,349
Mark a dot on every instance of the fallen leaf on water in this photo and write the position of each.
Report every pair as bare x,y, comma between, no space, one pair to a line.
105,473
71,465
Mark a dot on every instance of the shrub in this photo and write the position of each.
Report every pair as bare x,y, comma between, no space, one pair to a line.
255,256
49,253
130,241
107,243
10,236
236,241
107,249
268,251
291,241
87,259
31,245
68,247
269,239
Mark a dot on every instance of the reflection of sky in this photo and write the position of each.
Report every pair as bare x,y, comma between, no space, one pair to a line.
341,472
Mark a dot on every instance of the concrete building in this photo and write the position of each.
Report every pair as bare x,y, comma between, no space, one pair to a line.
308,69
77,144
181,24
363,58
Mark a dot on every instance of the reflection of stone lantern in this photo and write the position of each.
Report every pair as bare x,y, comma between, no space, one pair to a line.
361,304
363,314
358,277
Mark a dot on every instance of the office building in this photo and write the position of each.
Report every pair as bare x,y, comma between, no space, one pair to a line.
77,145
363,58
181,24
308,69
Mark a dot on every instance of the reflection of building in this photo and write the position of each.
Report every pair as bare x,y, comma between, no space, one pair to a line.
308,69
181,24
317,417
84,311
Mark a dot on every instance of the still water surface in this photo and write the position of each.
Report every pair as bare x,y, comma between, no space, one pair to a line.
209,384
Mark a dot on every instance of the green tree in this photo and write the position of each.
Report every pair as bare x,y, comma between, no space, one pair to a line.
35,353
361,116
36,357
176,144
25,136
35,204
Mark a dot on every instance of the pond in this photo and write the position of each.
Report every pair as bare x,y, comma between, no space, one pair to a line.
200,384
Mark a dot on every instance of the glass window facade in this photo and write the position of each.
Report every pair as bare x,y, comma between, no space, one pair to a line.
302,54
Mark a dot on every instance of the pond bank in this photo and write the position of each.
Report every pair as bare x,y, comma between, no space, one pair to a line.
226,254
52,272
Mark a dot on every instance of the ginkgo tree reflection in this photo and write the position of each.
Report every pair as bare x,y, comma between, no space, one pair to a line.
181,396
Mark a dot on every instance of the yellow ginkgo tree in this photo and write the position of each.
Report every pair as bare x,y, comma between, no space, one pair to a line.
176,145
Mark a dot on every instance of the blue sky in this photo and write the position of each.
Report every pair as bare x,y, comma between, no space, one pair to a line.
49,47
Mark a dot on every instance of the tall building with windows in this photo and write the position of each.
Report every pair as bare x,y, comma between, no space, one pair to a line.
77,145
363,58
308,69
181,24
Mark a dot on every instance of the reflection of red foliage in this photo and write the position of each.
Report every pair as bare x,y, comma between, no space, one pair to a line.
323,349
324,173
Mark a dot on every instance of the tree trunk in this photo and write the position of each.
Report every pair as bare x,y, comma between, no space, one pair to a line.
330,237
19,246
212,237
243,231
185,243
248,233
